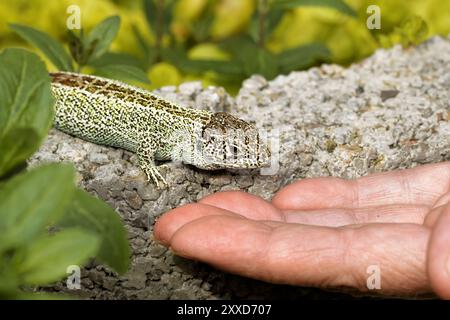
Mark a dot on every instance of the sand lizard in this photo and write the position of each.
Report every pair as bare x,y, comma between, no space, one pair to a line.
112,113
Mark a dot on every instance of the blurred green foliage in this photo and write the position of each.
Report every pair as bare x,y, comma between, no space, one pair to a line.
43,199
224,41
89,50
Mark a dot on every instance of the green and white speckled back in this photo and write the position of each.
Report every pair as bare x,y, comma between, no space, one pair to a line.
112,113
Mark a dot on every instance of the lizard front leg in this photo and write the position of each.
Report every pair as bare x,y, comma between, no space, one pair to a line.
146,156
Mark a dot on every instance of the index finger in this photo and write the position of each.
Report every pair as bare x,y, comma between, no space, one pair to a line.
418,186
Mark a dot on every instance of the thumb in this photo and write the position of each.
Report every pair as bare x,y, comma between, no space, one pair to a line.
438,262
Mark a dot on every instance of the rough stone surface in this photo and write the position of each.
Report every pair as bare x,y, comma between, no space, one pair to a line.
387,112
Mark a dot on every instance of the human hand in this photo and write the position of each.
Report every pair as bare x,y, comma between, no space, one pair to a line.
326,232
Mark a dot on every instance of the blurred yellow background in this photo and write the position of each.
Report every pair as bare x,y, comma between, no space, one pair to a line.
347,37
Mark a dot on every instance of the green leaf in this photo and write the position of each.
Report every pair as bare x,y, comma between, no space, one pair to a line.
339,5
237,46
94,215
302,57
150,53
46,259
25,93
103,34
150,12
19,144
175,55
77,47
31,201
202,26
122,72
9,281
52,49
151,8
272,19
149,56
26,106
114,58
413,30
263,63
179,58
168,14
219,66
253,59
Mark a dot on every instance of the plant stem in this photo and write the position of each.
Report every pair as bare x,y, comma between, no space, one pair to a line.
159,27
262,12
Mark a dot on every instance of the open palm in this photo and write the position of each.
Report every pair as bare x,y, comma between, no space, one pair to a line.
327,232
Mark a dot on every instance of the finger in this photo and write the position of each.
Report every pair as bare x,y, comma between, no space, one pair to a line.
171,221
225,203
317,193
342,217
245,204
255,208
418,186
309,256
439,254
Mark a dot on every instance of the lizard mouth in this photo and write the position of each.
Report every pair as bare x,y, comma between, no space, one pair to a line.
236,165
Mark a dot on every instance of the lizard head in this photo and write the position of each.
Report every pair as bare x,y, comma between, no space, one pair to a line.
228,142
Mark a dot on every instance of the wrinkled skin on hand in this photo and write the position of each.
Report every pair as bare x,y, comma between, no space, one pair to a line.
326,232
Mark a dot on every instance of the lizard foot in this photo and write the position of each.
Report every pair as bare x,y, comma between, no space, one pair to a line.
154,175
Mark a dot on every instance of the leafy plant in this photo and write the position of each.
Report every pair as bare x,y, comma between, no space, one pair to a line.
248,51
25,116
43,230
411,31
89,50
183,30
159,16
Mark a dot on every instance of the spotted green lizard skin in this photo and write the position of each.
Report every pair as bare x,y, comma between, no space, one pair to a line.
112,113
